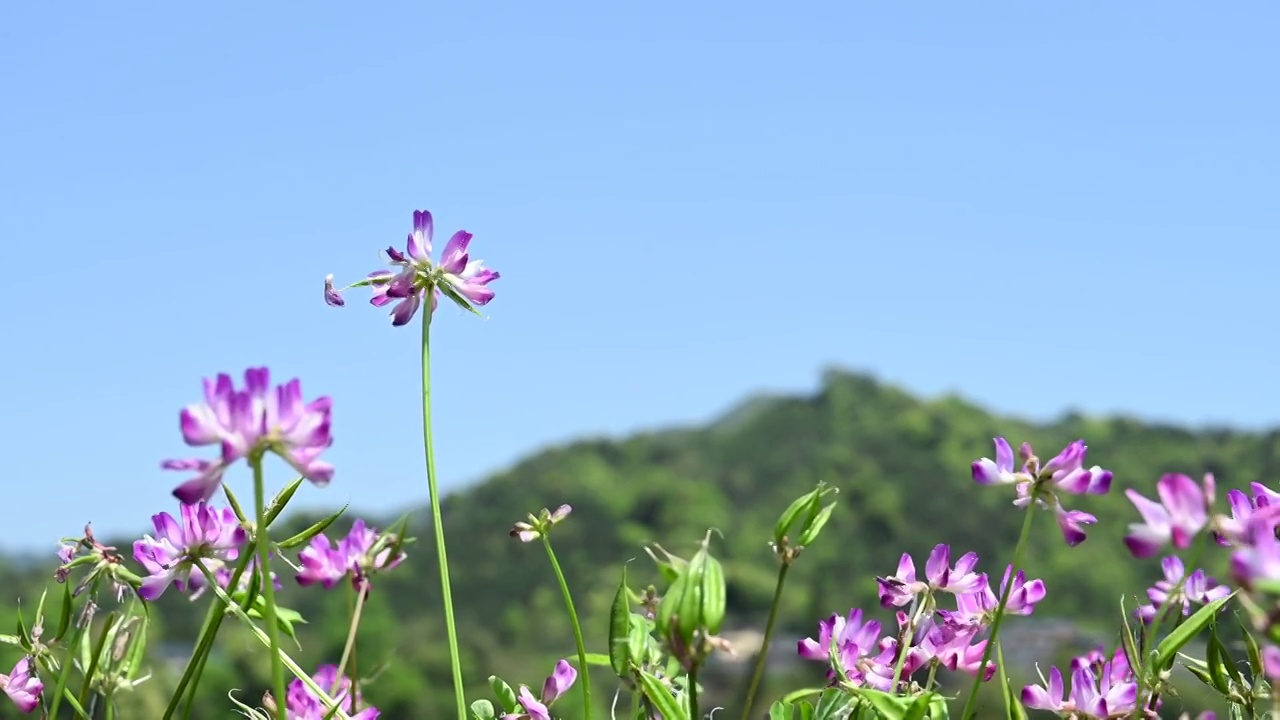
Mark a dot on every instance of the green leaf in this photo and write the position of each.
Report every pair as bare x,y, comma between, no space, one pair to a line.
791,697
620,656
64,617
1184,633
1251,646
1213,658
592,659
506,696
1227,662
806,710
661,697
483,710
1012,701
305,536
834,704
235,504
780,711
281,499
1201,674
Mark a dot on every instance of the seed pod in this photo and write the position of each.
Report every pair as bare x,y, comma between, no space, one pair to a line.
713,596
689,611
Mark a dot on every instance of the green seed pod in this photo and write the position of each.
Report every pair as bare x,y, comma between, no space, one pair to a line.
713,596
689,609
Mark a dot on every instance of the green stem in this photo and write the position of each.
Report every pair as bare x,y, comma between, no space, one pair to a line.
762,657
995,623
330,705
73,647
584,674
437,521
204,642
268,589
351,643
693,694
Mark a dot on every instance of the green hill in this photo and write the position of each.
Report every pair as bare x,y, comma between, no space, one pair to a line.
901,464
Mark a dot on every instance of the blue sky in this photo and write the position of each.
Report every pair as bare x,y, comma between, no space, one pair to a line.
1040,205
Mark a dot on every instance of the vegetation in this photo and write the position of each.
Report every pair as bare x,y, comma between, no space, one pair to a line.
901,464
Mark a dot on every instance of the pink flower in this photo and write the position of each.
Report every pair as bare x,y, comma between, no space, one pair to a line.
256,419
206,536
1182,512
22,686
457,275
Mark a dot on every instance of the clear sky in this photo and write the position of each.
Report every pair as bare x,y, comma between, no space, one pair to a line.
1040,205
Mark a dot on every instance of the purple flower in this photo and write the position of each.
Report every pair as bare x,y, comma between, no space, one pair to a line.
361,553
954,648
843,633
1182,512
979,607
22,686
245,422
1099,689
1271,662
1257,556
1065,473
302,704
539,524
1229,530
1198,589
557,684
899,589
205,535
463,280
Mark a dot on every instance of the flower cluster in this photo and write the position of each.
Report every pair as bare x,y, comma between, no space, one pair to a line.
1178,589
539,525
360,554
557,684
1043,484
302,704
928,636
1101,688
245,423
462,279
205,536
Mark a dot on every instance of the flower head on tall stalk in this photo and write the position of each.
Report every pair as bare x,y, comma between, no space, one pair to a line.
247,422
22,686
204,535
416,276
1044,484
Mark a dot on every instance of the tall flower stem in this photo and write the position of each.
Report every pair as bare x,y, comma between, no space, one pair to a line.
585,670
762,657
351,643
267,587
999,617
204,643
329,704
437,522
